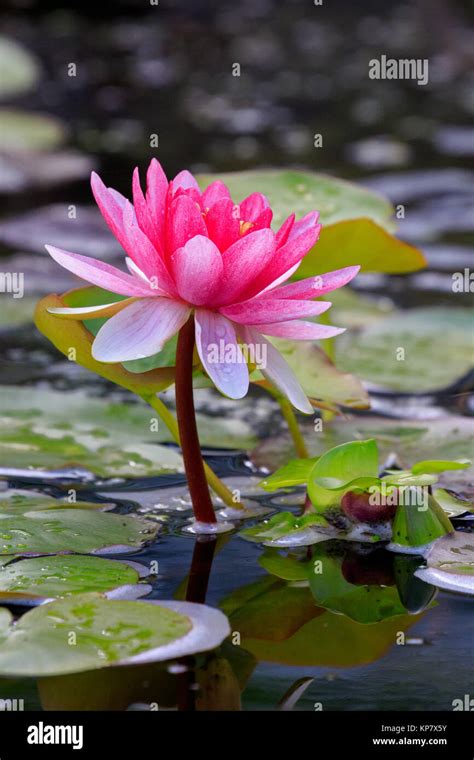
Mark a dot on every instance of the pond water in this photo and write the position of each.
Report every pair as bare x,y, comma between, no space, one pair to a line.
138,75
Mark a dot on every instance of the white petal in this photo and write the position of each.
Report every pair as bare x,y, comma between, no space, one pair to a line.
140,330
220,353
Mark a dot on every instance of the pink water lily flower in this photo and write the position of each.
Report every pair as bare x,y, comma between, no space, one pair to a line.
199,252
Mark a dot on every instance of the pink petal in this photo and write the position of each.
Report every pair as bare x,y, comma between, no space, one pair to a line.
263,220
252,207
133,269
184,222
146,256
288,256
140,330
277,370
220,353
197,269
213,193
297,329
223,226
258,312
145,218
243,262
98,273
313,287
283,278
156,196
110,204
185,180
308,222
282,234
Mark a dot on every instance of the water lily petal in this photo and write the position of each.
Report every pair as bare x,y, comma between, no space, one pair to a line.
111,205
223,224
145,217
252,206
156,193
257,312
146,256
99,273
140,330
277,370
243,262
308,222
288,256
297,329
92,312
134,269
216,341
185,180
313,287
213,193
282,234
197,268
184,222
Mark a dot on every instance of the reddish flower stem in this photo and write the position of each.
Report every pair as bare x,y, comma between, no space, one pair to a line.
188,434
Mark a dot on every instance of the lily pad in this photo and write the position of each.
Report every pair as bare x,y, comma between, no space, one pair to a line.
78,531
39,578
29,131
291,528
89,632
451,504
48,429
19,69
450,563
373,352
18,502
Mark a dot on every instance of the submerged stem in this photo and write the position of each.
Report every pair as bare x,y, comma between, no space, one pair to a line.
188,434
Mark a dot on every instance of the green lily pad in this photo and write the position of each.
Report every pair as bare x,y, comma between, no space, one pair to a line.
450,563
451,504
78,531
40,578
359,242
440,465
28,130
48,429
19,69
88,632
18,502
373,352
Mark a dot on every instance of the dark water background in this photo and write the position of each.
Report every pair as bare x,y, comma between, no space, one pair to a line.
168,70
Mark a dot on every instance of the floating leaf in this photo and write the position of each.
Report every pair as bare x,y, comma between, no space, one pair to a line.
360,242
451,504
43,578
286,568
17,502
69,334
28,130
106,633
293,473
335,470
372,352
440,465
19,69
450,563
284,525
73,530
415,526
